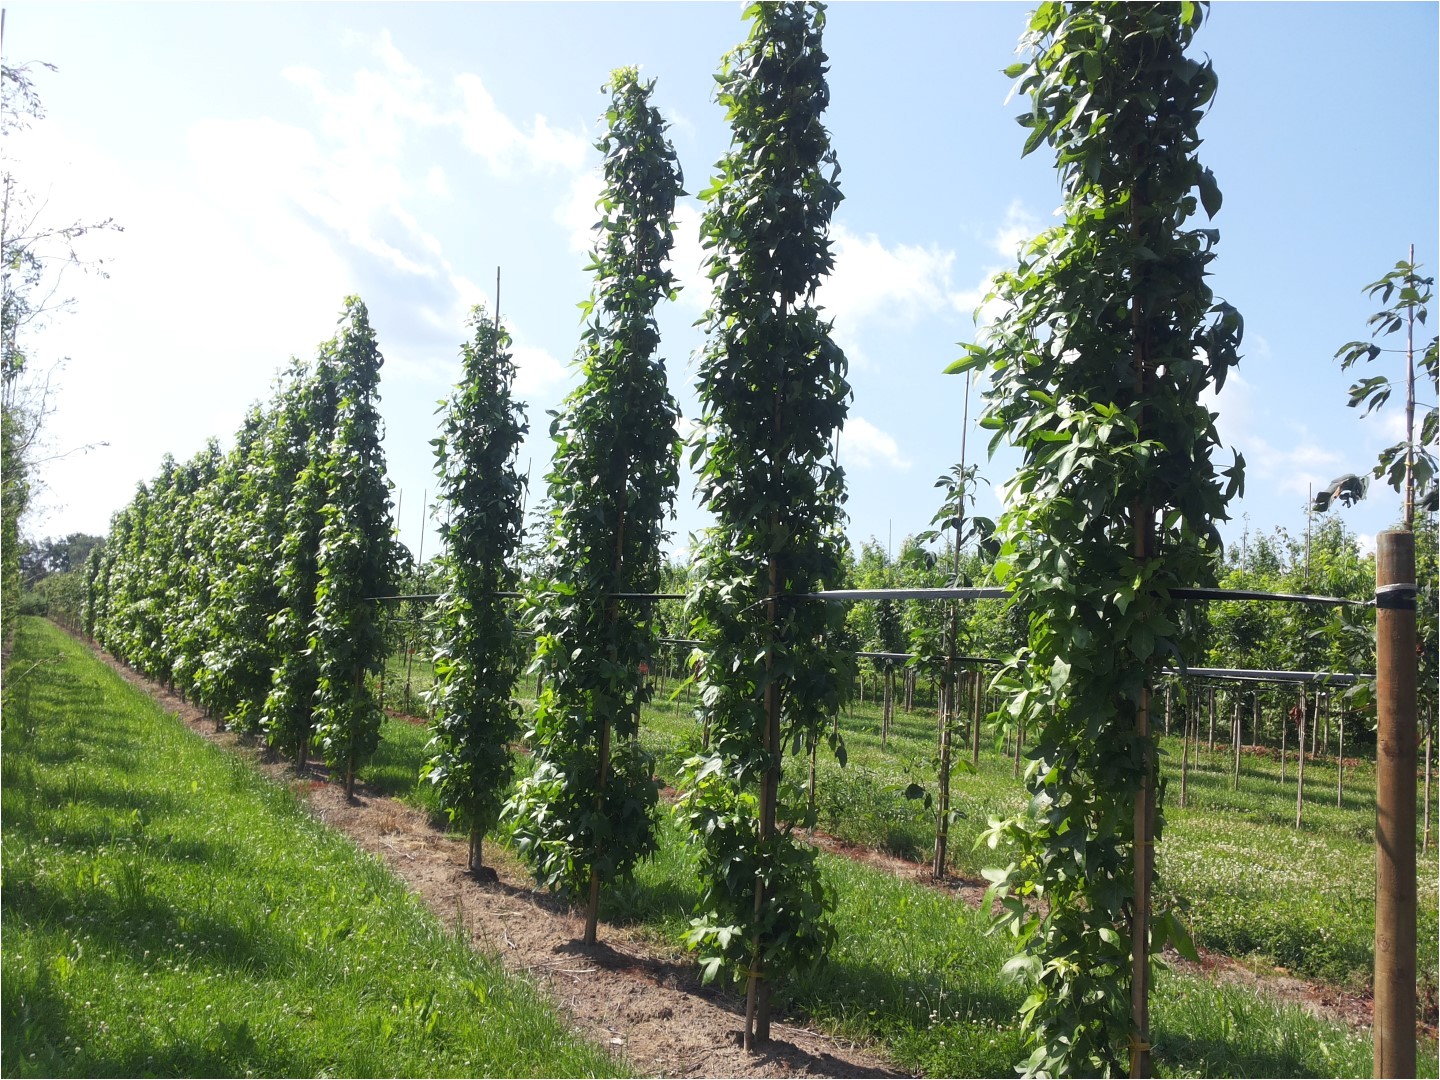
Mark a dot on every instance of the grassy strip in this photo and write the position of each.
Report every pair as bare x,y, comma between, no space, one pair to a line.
168,911
1250,884
918,972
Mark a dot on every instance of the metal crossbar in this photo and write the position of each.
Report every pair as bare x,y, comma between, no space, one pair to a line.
960,593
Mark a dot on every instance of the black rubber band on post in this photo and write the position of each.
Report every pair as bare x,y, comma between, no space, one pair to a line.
1397,597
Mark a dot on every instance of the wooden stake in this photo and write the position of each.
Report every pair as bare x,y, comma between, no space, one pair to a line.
1300,757
1235,739
978,709
1185,755
1395,888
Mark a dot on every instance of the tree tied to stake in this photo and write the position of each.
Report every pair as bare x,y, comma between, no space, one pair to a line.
1108,339
477,657
586,814
773,392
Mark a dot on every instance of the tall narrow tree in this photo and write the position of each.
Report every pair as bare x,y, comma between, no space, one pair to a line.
476,657
585,816
306,430
1108,340
356,558
773,395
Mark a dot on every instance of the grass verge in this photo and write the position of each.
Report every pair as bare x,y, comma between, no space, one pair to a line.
168,911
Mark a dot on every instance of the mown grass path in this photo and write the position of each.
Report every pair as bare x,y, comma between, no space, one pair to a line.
169,912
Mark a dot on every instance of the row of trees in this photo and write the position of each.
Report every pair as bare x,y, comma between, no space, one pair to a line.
246,580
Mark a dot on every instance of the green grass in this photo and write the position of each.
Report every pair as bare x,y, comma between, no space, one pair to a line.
917,971
1250,884
168,911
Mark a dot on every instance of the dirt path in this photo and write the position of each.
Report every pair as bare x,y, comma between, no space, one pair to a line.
625,994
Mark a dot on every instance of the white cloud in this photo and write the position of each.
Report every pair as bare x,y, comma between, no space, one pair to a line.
488,132
578,213
1019,226
869,280
687,258
865,446
537,374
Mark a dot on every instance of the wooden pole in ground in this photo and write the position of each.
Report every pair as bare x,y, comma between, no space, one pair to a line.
757,995
1284,735
1300,757
1235,739
1340,761
1429,753
947,712
1211,746
1169,688
1395,679
979,715
1185,756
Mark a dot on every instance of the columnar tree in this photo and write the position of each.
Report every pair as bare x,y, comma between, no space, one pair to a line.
476,658
1098,366
356,558
585,815
307,430
773,394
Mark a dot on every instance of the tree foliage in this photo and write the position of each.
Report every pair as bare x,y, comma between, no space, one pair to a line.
356,560
773,392
476,655
1098,365
1409,466
585,815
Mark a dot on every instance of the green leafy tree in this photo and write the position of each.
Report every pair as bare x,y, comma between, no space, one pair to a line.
773,394
356,558
1409,466
308,430
1109,336
476,650
584,817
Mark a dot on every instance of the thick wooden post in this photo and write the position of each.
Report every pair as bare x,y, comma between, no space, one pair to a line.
1395,677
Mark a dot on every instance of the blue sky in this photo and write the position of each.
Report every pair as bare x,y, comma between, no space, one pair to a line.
266,160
